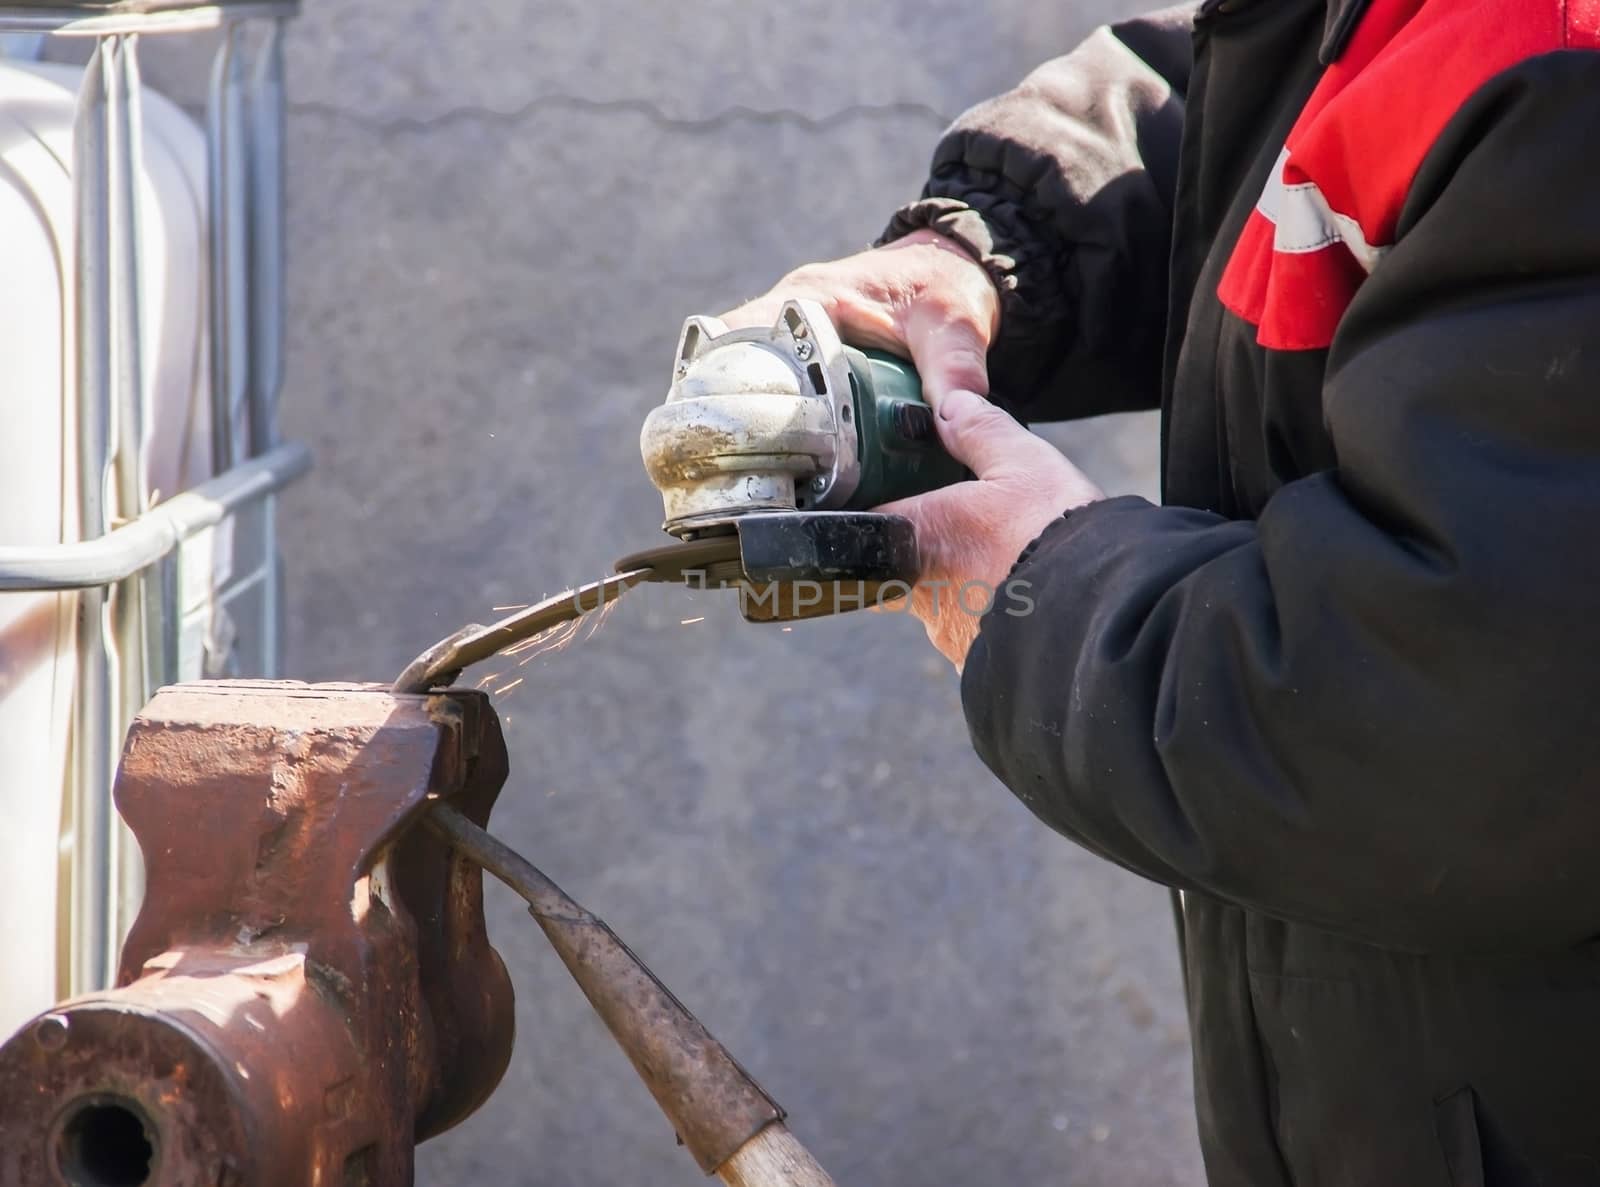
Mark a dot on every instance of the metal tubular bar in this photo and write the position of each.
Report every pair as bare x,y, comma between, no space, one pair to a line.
127,157
267,301
160,581
110,558
66,21
267,113
90,960
130,608
227,171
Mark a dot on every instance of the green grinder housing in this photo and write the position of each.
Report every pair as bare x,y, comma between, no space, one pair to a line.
898,443
787,418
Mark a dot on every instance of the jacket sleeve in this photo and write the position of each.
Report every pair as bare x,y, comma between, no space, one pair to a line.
1062,188
1373,709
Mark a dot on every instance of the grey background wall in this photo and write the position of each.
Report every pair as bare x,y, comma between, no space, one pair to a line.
501,212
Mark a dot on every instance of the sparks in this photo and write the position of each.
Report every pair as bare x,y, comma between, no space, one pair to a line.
513,606
691,621
554,639
536,642
509,687
598,619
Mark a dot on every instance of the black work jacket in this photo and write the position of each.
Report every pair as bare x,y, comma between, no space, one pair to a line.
1343,689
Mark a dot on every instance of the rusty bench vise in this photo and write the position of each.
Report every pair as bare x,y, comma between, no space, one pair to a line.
308,989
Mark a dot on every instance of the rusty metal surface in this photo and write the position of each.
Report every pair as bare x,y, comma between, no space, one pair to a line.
308,988
714,1104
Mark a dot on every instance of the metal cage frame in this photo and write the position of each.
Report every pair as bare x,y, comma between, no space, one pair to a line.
148,614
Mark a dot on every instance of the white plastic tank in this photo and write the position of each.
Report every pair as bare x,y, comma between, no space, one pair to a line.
38,505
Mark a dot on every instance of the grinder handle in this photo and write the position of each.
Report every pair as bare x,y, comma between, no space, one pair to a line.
900,451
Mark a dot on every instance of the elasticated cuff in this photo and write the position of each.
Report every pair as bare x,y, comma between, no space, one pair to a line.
990,229
959,222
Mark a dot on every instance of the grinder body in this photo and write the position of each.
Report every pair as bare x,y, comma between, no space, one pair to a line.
787,418
770,451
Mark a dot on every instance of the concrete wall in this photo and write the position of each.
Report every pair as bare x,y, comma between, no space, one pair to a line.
501,212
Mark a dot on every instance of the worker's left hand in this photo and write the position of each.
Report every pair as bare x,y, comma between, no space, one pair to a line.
971,534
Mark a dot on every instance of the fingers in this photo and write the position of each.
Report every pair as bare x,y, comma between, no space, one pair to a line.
950,521
949,347
762,311
922,295
1021,478
984,437
832,285
946,341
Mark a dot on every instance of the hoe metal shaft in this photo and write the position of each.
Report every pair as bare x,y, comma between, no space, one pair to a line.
733,1128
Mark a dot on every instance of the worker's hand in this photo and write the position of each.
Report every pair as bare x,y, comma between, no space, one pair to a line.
921,296
970,534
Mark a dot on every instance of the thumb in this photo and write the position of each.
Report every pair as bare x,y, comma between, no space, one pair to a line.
982,436
950,352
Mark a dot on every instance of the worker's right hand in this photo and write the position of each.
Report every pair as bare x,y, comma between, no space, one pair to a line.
921,296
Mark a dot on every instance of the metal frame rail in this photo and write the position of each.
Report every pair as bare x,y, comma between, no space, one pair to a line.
147,613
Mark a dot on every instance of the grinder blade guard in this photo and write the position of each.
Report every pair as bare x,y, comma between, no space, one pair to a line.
769,450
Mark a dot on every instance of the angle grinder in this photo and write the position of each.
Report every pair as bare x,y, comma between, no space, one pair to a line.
770,449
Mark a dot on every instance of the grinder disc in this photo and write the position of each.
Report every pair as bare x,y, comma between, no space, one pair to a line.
713,560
